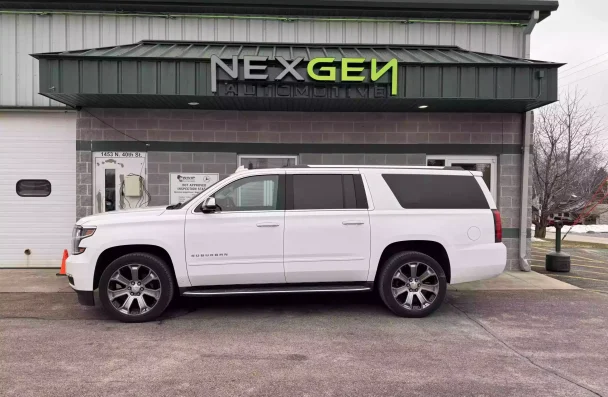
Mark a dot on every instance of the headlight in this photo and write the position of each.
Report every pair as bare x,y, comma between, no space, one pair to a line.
78,235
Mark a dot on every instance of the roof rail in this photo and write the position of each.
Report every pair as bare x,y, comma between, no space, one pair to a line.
447,168
420,167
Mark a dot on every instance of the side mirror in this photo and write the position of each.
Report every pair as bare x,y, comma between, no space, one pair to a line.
209,205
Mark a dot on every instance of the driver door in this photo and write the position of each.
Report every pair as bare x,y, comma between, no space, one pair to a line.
242,241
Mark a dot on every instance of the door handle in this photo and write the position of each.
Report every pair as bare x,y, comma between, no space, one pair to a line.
267,224
353,223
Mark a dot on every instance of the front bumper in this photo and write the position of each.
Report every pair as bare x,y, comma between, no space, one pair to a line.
85,298
81,272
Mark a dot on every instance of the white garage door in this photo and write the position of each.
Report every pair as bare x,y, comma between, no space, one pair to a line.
37,187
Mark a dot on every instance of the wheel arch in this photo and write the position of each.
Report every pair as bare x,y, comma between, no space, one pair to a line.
431,248
112,253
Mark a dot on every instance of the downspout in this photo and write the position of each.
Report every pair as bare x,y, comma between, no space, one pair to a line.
524,265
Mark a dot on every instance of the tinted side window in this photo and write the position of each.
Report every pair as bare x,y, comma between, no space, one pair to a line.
33,188
350,199
360,193
313,192
436,191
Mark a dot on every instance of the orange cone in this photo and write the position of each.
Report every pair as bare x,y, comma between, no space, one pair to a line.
65,257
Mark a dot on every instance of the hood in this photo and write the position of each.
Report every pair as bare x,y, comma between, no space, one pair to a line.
119,216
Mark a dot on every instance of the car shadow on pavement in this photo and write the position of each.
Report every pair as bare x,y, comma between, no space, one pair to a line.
288,304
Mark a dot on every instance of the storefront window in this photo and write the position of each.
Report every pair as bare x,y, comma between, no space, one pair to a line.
257,161
485,164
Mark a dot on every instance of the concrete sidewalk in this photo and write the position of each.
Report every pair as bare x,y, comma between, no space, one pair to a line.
33,280
45,281
514,281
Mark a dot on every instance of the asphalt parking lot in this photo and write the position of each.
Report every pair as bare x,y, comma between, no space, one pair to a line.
589,264
480,343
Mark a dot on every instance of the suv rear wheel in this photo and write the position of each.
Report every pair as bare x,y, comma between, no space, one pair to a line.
136,287
412,284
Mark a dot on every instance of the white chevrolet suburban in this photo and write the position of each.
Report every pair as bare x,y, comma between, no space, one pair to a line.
405,232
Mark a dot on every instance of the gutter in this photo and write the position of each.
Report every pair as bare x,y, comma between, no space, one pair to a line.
44,13
524,265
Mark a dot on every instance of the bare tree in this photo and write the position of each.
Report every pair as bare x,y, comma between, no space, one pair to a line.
567,157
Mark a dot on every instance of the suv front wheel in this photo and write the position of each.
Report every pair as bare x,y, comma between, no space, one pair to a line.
412,284
136,287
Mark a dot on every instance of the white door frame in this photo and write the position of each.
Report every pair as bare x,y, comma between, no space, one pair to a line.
492,160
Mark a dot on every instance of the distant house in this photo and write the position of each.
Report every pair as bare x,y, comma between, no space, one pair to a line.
571,210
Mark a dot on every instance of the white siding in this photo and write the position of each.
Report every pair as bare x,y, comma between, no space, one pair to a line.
21,35
37,145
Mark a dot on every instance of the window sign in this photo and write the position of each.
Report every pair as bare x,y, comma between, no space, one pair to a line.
184,186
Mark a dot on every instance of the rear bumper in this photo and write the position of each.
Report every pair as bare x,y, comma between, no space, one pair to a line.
478,262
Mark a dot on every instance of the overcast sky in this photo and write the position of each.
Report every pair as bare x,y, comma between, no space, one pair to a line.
578,32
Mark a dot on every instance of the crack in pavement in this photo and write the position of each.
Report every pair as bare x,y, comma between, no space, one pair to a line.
496,337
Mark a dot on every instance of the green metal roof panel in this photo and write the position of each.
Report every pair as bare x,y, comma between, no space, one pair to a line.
412,54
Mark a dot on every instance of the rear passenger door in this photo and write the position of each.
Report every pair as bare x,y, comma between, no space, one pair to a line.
327,229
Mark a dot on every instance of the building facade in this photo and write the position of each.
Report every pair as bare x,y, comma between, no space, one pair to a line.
188,90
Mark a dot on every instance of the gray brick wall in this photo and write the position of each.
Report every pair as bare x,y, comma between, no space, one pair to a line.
509,202
160,164
84,184
301,127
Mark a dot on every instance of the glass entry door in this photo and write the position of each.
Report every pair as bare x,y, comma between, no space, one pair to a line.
110,172
485,164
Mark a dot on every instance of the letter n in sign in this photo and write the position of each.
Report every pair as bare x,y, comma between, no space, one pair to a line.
376,74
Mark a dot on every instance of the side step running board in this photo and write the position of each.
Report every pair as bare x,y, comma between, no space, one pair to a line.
276,290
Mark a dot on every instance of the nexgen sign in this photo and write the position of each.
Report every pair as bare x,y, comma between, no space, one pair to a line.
318,69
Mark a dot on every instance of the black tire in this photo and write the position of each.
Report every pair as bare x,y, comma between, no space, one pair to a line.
385,284
165,278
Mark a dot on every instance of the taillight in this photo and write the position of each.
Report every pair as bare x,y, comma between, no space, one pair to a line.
497,227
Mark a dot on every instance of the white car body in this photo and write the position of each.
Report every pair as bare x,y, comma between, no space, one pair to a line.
296,246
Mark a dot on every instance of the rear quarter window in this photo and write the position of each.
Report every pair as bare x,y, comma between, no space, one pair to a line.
436,191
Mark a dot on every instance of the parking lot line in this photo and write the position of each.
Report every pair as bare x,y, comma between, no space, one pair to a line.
574,264
578,270
580,278
575,257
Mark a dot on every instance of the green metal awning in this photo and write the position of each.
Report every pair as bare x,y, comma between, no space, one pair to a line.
172,74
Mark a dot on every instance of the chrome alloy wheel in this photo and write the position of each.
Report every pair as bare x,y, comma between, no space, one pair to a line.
415,286
134,289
